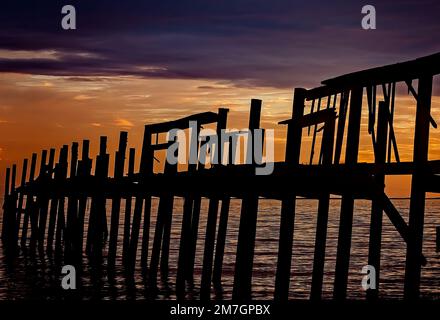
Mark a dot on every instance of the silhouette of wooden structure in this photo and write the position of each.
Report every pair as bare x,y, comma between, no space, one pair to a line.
48,211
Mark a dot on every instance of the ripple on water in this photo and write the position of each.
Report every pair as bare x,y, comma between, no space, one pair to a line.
35,277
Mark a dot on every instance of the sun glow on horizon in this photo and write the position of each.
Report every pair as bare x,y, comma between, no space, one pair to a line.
34,116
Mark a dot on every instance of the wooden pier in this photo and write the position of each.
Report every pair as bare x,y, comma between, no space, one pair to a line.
47,211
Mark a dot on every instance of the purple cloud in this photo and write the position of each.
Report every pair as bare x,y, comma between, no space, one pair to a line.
256,43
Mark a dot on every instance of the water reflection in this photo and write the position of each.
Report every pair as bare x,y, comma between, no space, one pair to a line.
36,274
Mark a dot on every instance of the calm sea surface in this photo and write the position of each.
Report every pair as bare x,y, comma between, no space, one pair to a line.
35,277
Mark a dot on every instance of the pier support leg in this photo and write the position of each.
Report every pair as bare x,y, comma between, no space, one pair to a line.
347,202
116,201
185,238
376,205
192,245
293,147
146,234
127,228
59,235
242,290
417,203
169,201
134,239
220,244
323,208
157,242
245,250
29,198
21,199
5,212
84,168
282,280
208,255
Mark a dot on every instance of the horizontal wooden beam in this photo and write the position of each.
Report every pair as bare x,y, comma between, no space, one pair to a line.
414,69
314,118
183,123
321,92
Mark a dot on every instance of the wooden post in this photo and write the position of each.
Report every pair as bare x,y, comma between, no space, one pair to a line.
220,244
131,160
13,178
127,214
146,234
437,239
84,168
102,174
116,201
168,212
57,204
134,239
74,160
208,255
376,205
347,202
205,289
293,148
162,232
417,203
146,170
185,234
192,217
29,199
186,229
63,165
98,220
7,182
221,233
103,179
9,212
341,125
155,252
21,198
35,208
168,200
248,223
192,245
323,208
72,206
5,217
127,227
315,132
43,202
13,213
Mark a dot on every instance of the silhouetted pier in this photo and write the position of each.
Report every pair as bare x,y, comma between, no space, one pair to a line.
47,211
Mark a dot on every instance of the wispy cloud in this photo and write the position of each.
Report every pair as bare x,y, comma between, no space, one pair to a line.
123,123
249,43
83,97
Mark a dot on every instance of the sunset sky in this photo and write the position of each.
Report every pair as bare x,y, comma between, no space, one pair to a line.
135,62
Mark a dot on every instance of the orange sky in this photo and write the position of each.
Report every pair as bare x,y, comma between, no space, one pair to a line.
39,112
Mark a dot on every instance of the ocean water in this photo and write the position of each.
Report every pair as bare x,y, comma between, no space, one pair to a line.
39,277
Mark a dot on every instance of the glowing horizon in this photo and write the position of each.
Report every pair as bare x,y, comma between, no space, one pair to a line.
39,112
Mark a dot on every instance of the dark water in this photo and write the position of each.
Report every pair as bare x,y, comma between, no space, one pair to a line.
36,277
